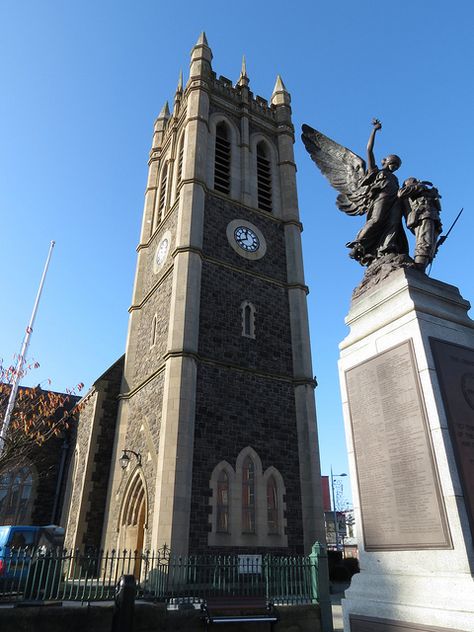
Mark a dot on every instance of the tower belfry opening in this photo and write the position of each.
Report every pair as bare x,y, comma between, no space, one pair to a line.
264,179
222,160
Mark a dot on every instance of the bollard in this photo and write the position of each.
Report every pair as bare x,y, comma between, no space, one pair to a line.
320,579
124,604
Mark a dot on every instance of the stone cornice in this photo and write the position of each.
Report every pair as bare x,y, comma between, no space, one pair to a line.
221,264
145,382
291,163
207,191
255,275
160,226
151,291
198,358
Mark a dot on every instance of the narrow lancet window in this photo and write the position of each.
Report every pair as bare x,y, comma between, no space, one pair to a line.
222,525
264,178
247,504
272,506
248,319
248,496
222,159
153,331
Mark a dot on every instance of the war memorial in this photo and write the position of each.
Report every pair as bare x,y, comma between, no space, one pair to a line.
407,384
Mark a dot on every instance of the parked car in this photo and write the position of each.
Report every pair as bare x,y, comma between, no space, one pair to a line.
25,557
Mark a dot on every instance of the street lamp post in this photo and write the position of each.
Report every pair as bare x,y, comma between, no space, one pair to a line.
336,526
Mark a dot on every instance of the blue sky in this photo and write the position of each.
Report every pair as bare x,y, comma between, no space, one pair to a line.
82,83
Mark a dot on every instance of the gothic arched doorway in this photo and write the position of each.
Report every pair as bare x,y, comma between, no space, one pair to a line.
133,519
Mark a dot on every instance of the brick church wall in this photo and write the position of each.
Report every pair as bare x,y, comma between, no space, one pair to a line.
251,400
78,464
145,379
91,465
148,278
220,335
148,358
219,212
142,436
227,420
153,298
110,386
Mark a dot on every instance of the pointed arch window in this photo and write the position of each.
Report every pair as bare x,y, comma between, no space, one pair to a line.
222,506
264,178
15,494
154,326
248,496
222,159
248,319
272,506
247,504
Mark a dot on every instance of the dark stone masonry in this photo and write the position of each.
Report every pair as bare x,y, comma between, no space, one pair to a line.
227,420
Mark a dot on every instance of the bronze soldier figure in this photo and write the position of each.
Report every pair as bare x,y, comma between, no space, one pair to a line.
421,208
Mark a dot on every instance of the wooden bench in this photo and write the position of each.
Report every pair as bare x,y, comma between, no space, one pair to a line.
238,609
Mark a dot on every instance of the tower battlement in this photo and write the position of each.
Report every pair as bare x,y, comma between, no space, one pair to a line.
236,97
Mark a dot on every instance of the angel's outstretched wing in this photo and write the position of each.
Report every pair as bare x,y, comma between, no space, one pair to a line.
342,168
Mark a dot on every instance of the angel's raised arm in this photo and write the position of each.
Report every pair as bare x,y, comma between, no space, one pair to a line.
371,165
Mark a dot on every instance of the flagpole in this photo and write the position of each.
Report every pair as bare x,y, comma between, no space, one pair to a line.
21,359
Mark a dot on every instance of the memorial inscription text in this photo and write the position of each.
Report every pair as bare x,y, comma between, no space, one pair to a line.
455,370
399,492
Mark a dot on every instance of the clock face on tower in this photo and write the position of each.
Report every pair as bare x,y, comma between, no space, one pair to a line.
162,251
246,239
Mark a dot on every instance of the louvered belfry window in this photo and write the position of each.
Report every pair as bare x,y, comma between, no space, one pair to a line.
162,199
180,161
222,159
264,179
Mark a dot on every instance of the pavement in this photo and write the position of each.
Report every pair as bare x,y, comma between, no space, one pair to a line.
337,593
337,590
337,621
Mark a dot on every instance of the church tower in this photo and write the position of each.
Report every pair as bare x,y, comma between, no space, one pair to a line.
216,412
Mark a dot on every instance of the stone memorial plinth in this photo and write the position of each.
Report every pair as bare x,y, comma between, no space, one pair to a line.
407,383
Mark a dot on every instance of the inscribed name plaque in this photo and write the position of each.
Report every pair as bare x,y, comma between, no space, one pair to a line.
455,370
400,500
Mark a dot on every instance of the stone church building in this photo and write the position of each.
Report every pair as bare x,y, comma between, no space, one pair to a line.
203,436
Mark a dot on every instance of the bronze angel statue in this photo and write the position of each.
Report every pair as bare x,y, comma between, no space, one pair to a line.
363,189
